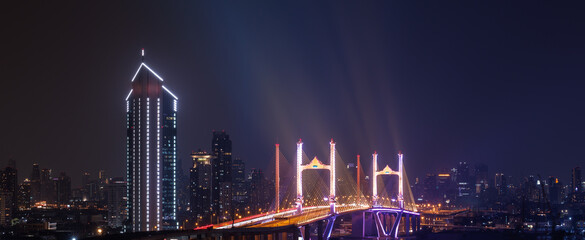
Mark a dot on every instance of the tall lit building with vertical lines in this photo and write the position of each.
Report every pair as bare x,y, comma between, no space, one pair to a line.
151,143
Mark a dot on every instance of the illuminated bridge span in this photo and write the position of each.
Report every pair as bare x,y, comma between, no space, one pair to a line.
343,211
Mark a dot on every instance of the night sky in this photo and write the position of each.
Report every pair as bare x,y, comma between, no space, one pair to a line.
500,83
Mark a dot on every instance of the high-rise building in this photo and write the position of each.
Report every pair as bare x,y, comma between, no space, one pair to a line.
200,185
445,190
102,178
85,179
576,181
464,185
9,184
5,209
151,143
221,195
47,186
260,191
86,186
24,195
430,193
35,183
500,184
116,192
101,186
183,197
481,178
63,189
239,183
554,190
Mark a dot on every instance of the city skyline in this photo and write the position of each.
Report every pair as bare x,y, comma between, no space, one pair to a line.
445,101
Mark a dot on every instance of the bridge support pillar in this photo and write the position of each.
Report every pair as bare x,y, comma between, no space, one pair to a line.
396,224
320,230
414,224
329,227
390,222
225,236
358,225
307,231
384,222
296,235
407,224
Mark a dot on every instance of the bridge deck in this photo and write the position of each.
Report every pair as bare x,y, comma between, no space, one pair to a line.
310,215
289,217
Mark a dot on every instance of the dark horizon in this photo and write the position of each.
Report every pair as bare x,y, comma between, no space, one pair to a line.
494,83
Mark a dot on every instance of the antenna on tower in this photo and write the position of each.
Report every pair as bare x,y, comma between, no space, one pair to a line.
143,55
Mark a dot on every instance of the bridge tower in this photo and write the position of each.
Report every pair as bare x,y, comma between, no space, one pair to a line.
387,171
315,164
277,179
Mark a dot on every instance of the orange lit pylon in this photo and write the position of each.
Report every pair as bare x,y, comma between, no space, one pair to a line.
277,178
359,169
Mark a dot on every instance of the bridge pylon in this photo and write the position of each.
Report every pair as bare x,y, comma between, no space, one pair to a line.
387,171
315,164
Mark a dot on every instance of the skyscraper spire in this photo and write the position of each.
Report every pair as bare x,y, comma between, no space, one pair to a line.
142,54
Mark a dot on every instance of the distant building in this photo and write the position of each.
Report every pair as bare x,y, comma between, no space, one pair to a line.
9,184
35,183
260,191
430,193
5,208
576,181
445,187
48,191
116,192
530,189
102,177
239,183
24,195
221,194
200,185
151,153
464,184
63,189
85,179
481,179
500,184
101,186
183,197
554,190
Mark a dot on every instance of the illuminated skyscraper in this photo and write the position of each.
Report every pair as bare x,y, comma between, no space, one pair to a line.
239,184
463,177
151,143
200,181
221,195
